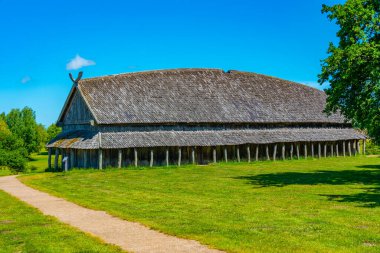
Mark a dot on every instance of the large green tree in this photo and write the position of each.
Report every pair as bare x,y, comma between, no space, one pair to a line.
352,67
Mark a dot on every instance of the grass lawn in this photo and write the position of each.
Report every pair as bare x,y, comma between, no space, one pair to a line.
327,205
24,229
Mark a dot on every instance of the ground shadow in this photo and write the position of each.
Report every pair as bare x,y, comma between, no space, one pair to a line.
369,175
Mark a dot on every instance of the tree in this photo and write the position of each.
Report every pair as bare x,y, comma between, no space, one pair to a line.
53,131
353,66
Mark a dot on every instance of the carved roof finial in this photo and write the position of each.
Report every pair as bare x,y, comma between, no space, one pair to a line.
78,78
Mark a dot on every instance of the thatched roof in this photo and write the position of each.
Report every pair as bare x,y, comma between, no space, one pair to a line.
110,140
201,96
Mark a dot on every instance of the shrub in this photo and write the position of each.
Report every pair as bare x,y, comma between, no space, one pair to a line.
12,159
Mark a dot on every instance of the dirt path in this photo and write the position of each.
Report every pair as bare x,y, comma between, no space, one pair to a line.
130,236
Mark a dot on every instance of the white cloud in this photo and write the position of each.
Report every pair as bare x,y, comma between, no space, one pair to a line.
78,62
26,79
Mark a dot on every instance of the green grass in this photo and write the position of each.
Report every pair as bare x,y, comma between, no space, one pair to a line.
24,229
327,205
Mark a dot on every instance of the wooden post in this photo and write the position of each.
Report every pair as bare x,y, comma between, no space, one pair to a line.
312,150
248,154
49,158
85,158
305,150
167,157
267,151
349,148
225,154
325,149
354,147
238,153
119,158
337,149
151,158
358,146
283,151
257,153
332,150
193,155
319,150
179,156
298,151
364,142
344,148
214,154
136,157
63,153
100,157
72,159
56,159
291,151
274,152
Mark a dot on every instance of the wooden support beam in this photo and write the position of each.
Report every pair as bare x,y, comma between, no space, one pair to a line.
225,154
56,159
238,153
274,152
332,150
349,148
298,150
151,158
291,151
214,154
337,149
49,158
119,157
63,154
312,150
364,142
193,155
72,158
257,153
344,148
325,150
248,154
354,147
179,156
283,151
167,157
267,152
100,157
319,150
136,156
305,150
85,158
358,146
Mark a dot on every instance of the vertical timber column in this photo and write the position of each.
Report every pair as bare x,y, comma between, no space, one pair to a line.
72,159
298,150
167,157
283,151
214,154
349,148
344,148
267,151
119,157
337,149
85,158
179,156
312,150
319,150
291,151
274,152
325,150
49,158
151,158
56,159
193,155
257,153
136,156
354,147
364,141
100,157
63,154
305,150
225,154
238,153
358,146
248,153
331,150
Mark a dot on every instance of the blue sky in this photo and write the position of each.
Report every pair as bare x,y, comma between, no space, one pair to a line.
286,39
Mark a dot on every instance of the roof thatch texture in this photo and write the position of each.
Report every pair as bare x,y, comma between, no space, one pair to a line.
111,140
202,96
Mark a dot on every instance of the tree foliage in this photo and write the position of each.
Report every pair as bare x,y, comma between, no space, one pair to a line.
52,131
353,65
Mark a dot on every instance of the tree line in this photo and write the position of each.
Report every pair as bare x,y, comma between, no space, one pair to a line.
20,136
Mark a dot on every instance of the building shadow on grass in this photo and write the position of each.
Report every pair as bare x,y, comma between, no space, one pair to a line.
368,175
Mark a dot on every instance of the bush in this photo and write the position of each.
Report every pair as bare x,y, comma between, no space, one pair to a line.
372,148
12,159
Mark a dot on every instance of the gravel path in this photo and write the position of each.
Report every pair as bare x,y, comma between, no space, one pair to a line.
130,236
